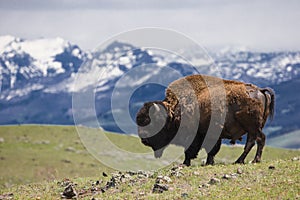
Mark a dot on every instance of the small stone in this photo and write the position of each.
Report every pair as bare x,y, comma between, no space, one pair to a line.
1,140
177,173
93,189
7,196
196,173
142,193
163,179
248,189
70,149
234,175
167,179
131,173
272,167
45,142
97,182
66,161
104,174
226,176
141,176
159,188
65,182
184,195
102,190
206,185
214,181
239,171
296,158
69,192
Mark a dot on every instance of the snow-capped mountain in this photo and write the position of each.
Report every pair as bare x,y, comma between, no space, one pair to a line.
37,79
265,68
29,65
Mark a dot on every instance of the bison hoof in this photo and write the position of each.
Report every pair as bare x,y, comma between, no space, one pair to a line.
256,160
239,162
187,163
210,162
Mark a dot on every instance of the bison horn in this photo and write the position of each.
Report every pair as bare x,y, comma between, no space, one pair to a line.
157,109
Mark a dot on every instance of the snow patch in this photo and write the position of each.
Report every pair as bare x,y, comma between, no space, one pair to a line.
5,41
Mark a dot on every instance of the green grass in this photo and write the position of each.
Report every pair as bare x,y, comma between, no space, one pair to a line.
36,159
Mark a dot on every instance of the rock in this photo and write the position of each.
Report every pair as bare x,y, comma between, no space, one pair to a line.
167,179
295,158
98,182
142,194
239,171
177,173
1,140
163,179
159,188
111,183
214,181
65,161
70,149
206,185
272,167
226,176
65,182
7,196
94,189
184,195
144,174
69,192
196,173
126,177
104,174
141,176
45,142
131,173
234,175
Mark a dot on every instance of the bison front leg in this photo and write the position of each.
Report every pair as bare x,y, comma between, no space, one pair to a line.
191,152
260,140
249,144
210,156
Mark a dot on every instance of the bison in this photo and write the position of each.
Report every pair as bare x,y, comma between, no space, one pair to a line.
193,115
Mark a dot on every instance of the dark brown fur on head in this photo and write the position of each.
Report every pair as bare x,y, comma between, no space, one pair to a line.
155,126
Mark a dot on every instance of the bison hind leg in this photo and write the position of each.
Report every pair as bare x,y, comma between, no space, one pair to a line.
260,140
248,146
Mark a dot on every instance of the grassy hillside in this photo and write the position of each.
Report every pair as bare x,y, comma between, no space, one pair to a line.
40,161
291,139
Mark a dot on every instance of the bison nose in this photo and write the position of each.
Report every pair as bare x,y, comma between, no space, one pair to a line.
145,141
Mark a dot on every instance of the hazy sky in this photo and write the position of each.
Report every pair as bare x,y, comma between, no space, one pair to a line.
259,25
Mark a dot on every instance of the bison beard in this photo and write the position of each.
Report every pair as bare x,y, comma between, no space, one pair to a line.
247,108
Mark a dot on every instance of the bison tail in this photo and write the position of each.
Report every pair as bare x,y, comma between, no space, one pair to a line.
272,103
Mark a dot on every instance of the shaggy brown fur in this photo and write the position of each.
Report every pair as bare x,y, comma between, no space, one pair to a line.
189,105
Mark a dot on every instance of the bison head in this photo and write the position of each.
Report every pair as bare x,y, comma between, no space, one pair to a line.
154,126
